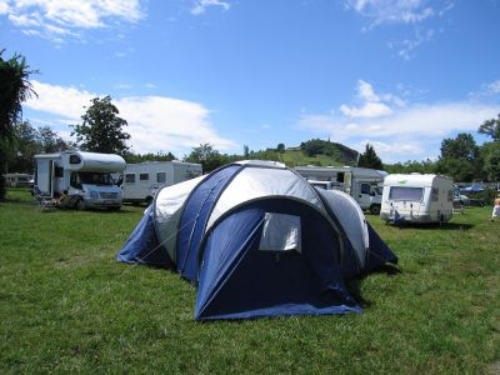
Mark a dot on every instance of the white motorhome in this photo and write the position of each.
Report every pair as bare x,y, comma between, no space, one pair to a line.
82,178
418,198
142,180
363,184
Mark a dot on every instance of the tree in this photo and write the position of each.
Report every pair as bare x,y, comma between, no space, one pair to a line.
370,159
102,128
207,156
280,148
15,88
491,128
49,141
462,147
460,158
28,141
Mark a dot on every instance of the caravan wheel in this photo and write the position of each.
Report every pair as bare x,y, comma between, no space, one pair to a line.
375,209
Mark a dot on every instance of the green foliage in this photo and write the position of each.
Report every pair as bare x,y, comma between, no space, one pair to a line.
370,159
460,158
280,148
462,147
139,158
15,88
29,141
102,128
491,128
68,306
208,157
343,154
410,166
490,153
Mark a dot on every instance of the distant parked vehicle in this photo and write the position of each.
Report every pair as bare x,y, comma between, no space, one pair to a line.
141,181
16,180
417,198
82,178
362,184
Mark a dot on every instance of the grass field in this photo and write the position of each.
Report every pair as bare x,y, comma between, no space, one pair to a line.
67,305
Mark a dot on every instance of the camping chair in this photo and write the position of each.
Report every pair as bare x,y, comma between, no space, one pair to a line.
458,207
45,202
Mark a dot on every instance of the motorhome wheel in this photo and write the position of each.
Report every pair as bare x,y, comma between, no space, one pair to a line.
80,205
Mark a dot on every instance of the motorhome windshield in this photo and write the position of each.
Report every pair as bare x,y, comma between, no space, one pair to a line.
94,178
403,193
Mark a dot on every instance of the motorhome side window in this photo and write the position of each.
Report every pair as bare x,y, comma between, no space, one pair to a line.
365,189
161,177
450,195
144,176
74,159
435,194
403,193
75,180
130,178
59,172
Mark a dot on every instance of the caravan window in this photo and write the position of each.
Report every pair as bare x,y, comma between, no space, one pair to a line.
130,178
281,232
144,176
403,193
161,177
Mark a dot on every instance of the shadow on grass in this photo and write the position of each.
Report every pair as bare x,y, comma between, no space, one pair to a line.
447,226
354,285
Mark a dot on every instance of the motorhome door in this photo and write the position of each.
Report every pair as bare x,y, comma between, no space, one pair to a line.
44,176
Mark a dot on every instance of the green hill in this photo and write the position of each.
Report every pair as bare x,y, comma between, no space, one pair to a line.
312,152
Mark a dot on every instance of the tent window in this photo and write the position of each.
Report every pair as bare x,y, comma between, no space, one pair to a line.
281,232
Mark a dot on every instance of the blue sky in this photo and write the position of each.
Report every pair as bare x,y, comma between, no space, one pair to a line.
400,74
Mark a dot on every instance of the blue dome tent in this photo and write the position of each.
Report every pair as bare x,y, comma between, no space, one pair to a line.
258,240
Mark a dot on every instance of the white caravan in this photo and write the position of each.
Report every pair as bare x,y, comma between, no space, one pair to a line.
363,184
141,181
18,179
82,178
417,198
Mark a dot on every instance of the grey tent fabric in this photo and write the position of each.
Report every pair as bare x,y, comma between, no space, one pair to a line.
351,218
168,207
253,183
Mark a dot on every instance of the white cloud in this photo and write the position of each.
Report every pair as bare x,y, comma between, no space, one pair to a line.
53,18
414,13
373,104
409,131
494,87
156,123
200,6
408,46
394,11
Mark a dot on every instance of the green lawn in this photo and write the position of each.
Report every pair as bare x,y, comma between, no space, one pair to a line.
67,305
